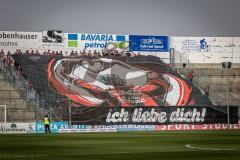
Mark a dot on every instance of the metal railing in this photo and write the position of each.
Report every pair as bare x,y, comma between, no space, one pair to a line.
26,92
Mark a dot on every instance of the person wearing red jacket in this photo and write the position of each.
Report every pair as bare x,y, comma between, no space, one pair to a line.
190,75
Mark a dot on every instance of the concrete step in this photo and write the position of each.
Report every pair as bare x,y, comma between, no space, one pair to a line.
212,71
207,65
17,110
5,86
9,94
14,104
203,81
21,116
237,71
11,100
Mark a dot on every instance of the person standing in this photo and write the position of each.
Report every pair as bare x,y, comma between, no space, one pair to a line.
47,124
206,90
190,75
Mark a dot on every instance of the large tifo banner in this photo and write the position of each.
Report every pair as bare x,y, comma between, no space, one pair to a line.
109,82
157,115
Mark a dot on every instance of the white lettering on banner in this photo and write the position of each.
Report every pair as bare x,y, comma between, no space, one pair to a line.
126,126
140,116
189,116
152,116
151,47
121,116
174,127
151,43
87,130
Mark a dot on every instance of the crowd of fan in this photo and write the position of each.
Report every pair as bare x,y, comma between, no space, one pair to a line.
81,53
7,64
6,60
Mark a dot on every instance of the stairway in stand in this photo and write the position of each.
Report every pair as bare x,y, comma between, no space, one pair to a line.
17,108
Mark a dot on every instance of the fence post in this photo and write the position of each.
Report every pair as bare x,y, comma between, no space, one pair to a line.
5,114
228,118
228,114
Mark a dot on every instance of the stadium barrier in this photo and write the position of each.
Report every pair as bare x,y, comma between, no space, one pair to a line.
63,127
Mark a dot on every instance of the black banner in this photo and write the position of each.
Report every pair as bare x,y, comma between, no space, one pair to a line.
108,81
155,115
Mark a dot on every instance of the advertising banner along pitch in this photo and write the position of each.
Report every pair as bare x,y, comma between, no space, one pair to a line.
19,127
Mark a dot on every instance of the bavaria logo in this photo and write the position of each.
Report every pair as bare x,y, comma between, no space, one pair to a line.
120,41
101,41
72,40
96,40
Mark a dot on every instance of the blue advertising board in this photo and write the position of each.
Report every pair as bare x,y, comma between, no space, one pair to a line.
54,126
149,43
57,127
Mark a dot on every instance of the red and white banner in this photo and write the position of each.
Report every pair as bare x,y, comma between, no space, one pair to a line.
175,127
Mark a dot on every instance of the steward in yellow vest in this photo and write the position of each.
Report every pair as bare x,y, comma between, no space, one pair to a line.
47,124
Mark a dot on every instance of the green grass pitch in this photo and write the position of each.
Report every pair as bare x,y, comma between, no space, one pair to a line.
202,145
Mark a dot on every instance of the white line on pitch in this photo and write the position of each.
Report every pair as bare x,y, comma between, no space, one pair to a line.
213,149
